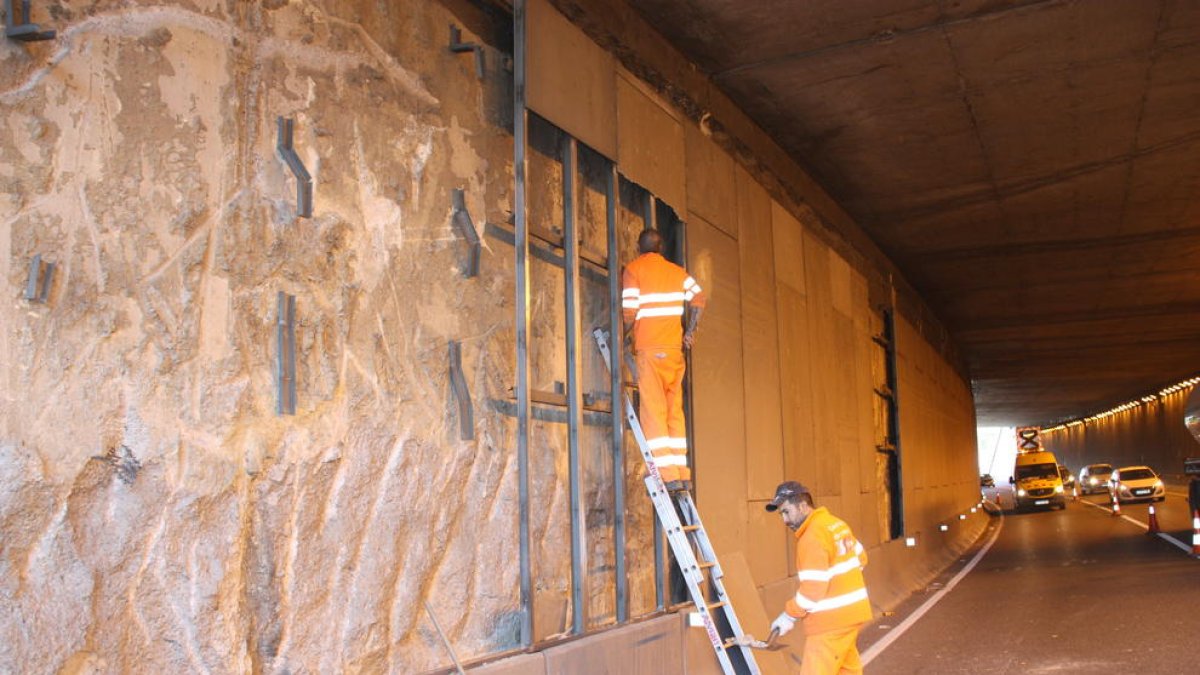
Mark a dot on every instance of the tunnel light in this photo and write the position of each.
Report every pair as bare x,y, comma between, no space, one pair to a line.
910,541
943,527
963,516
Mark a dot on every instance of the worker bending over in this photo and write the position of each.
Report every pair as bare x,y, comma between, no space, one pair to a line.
654,295
831,595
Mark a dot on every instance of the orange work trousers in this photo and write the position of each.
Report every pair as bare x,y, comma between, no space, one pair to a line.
660,388
833,652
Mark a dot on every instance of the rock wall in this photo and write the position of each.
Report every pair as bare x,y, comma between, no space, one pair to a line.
157,514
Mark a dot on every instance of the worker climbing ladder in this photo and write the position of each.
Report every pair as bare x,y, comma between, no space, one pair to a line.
693,551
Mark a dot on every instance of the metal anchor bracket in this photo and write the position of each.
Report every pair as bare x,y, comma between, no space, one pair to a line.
285,336
458,46
24,30
458,384
461,219
287,152
41,276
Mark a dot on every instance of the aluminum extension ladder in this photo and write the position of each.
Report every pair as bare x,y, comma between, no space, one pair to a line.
693,550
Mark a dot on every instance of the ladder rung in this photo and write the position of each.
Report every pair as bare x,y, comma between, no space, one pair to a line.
707,565
690,528
717,605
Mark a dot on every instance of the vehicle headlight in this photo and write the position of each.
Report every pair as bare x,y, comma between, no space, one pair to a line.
1058,489
1020,492
1158,483
1092,481
1122,486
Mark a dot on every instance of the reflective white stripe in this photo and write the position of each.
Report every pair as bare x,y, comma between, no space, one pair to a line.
858,549
678,443
630,292
630,304
835,602
688,296
690,284
805,604
659,311
826,575
670,460
658,443
663,297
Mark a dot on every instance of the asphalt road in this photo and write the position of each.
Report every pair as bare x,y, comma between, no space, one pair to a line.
1072,591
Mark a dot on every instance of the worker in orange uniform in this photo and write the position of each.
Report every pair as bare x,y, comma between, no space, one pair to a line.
654,295
831,596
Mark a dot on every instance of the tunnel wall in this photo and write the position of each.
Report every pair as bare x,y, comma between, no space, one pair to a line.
157,511
1152,434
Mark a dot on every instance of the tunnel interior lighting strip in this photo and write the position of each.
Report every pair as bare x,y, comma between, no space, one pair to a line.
1129,405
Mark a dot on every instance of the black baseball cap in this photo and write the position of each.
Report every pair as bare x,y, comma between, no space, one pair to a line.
786,490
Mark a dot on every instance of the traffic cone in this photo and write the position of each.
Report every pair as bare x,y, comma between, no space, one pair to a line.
1153,529
1196,533
1075,492
1116,505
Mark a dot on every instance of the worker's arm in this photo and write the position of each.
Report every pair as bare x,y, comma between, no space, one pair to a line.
813,557
693,320
696,299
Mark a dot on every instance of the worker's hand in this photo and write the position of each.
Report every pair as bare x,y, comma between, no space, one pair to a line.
783,623
689,339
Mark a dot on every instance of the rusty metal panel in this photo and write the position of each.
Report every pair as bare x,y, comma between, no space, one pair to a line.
646,648
650,145
766,549
826,380
760,340
711,185
788,236
717,381
571,80
795,375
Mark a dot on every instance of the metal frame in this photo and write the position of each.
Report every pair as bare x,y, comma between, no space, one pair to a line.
616,329
287,152
458,385
461,219
891,450
24,31
458,46
570,187
41,277
285,336
521,225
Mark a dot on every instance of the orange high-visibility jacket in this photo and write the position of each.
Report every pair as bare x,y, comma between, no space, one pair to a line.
653,291
831,593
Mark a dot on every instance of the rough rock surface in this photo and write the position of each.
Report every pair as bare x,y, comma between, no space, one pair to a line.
157,514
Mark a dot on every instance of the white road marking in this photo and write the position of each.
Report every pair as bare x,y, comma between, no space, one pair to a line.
877,648
1162,535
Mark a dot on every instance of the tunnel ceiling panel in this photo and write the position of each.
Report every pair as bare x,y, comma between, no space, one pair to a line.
1027,161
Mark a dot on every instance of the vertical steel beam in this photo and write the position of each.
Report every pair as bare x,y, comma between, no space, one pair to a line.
520,221
895,474
570,187
650,222
616,344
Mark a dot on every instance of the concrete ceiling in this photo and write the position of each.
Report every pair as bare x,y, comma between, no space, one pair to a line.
1033,166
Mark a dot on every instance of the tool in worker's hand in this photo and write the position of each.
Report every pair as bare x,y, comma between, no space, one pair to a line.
769,644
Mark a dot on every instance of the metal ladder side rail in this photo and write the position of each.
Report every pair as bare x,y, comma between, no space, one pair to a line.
681,544
691,516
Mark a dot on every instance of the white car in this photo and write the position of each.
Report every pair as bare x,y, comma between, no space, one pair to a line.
1130,483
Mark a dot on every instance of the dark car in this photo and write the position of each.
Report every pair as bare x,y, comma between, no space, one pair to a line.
1068,480
986,480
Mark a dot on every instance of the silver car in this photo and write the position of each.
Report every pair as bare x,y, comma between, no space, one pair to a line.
1093,478
1131,483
